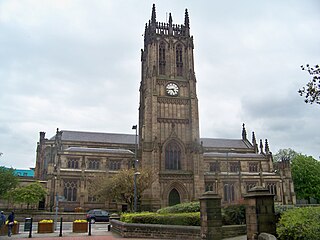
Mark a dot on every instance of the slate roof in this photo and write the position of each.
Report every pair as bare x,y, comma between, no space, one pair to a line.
130,139
233,155
97,137
99,150
223,143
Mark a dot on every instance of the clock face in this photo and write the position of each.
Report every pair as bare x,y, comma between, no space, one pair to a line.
172,89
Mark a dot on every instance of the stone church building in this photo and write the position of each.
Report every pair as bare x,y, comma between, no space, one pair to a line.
167,140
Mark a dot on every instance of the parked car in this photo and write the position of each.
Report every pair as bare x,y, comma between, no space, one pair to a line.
97,215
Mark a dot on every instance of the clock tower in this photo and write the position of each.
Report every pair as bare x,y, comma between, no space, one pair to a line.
168,115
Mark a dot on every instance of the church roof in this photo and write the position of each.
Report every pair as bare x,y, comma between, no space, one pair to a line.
97,137
233,155
121,138
99,150
223,143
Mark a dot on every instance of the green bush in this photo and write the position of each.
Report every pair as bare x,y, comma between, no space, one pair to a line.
299,223
187,219
233,215
181,208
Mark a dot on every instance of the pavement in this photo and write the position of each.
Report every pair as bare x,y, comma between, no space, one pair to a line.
96,235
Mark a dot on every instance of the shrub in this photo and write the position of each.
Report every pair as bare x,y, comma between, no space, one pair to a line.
299,223
187,219
181,208
233,215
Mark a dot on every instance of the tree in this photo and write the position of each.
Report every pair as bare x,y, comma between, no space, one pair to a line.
306,177
311,91
285,154
8,180
120,186
30,194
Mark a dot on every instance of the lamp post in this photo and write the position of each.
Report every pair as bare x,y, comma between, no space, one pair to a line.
135,127
135,191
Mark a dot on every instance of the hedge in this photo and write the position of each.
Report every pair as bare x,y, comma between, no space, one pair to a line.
299,223
186,219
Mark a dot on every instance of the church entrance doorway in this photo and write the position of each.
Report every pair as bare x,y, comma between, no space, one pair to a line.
174,197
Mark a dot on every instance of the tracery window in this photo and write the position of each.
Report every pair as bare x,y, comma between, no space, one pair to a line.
214,167
179,62
228,192
70,190
94,164
253,167
114,165
173,155
162,58
211,186
73,163
250,185
234,167
272,186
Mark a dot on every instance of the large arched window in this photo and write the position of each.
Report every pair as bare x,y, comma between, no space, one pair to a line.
173,156
179,62
162,58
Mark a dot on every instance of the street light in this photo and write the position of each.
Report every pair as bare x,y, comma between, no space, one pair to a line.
135,191
135,127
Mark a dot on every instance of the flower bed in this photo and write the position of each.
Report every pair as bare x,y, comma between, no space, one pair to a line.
80,226
45,226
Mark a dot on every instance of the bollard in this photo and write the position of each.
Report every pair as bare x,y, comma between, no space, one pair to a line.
30,229
109,225
60,234
89,232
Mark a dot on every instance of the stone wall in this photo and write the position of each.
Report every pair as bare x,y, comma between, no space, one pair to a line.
135,230
37,216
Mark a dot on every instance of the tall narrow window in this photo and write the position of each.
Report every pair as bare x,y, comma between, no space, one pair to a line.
94,164
250,185
173,154
272,187
179,61
73,163
214,167
162,59
253,167
228,192
70,191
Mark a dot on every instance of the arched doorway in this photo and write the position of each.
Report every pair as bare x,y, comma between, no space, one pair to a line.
174,197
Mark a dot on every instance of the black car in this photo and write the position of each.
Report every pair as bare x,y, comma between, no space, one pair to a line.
97,215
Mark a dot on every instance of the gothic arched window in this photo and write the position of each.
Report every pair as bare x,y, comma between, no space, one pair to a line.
70,191
179,61
162,58
173,155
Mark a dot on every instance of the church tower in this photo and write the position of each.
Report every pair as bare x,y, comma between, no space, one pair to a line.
168,115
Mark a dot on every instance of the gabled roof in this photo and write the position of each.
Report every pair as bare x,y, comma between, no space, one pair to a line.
223,143
233,155
99,150
97,137
121,138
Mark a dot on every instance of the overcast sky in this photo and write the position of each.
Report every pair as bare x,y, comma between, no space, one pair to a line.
75,65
